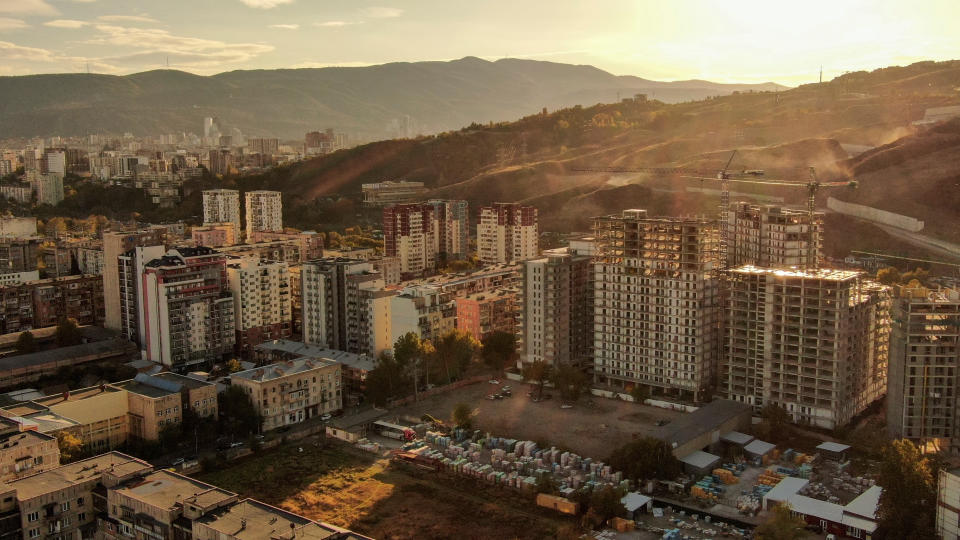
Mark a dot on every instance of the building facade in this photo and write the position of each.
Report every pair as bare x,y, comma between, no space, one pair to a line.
43,303
116,244
770,236
290,392
263,305
451,221
264,212
409,235
222,206
424,310
507,233
482,314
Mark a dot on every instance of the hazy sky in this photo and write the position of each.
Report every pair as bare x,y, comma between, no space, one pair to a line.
727,41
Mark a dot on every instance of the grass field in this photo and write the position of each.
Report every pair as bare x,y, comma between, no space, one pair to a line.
335,484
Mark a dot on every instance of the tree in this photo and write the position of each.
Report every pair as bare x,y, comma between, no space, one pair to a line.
387,380
26,343
68,333
569,381
604,504
639,393
410,353
238,414
775,422
463,415
781,525
908,503
546,484
888,275
453,352
918,274
233,365
499,350
71,447
537,372
646,458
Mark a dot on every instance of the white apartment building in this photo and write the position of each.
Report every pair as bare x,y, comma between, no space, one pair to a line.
409,234
507,233
451,223
290,392
657,303
130,267
948,505
812,341
264,211
425,310
262,300
222,206
47,186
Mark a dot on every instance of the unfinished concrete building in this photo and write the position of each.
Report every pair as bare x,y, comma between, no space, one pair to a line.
772,236
924,356
813,341
657,303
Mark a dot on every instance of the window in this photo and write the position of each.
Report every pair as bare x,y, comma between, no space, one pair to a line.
33,516
34,533
79,501
65,506
81,517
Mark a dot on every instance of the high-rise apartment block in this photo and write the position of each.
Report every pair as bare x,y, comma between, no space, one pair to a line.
47,186
222,206
130,270
409,234
42,303
482,314
657,303
264,212
452,225
265,146
558,307
507,233
189,317
116,244
771,236
924,371
262,302
813,341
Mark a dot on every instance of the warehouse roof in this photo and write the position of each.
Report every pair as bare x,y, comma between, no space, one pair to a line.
351,360
785,489
702,420
736,437
759,448
633,500
866,503
700,459
817,508
833,447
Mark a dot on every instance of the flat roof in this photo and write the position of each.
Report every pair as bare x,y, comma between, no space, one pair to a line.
814,507
700,459
25,438
759,447
352,360
833,447
736,437
865,505
360,419
857,522
138,387
164,489
830,274
23,361
183,380
706,418
74,473
253,520
633,500
283,369
785,489
75,395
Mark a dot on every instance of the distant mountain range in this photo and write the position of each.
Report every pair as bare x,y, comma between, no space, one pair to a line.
375,102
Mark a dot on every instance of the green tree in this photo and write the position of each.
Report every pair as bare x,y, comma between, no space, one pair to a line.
546,484
387,380
463,415
71,447
604,504
537,372
646,458
775,423
639,393
68,333
453,352
781,525
569,381
238,415
26,343
499,350
908,503
888,275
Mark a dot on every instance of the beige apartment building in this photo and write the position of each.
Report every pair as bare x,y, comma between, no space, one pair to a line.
114,245
157,402
97,415
507,233
290,392
24,450
768,235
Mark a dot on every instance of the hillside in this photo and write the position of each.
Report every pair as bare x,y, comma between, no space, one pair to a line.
432,96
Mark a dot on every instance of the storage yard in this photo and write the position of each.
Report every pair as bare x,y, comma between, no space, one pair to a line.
590,430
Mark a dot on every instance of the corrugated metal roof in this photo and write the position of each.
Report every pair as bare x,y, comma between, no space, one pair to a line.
759,447
700,459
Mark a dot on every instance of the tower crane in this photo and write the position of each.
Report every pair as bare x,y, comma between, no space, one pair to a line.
746,176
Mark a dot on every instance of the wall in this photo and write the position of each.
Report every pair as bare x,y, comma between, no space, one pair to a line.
899,221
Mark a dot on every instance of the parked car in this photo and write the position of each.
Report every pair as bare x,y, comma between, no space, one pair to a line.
326,416
490,397
493,381
177,462
236,444
566,406
661,423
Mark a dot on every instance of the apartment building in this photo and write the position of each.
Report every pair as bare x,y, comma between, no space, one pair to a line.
18,259
507,233
215,235
253,520
264,212
812,341
345,306
948,504
189,313
43,303
558,309
657,304
310,243
451,221
768,236
482,314
263,145
924,368
89,258
22,193
289,251
25,451
222,206
47,186
290,392
116,244
389,268
157,402
130,269
354,367
263,306
409,234
424,310
392,192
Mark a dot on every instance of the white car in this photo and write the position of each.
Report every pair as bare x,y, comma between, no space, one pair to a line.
493,381
326,416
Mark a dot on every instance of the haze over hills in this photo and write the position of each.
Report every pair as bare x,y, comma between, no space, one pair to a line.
431,96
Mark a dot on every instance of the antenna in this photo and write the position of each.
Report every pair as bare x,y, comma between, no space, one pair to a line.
168,61
821,72
88,68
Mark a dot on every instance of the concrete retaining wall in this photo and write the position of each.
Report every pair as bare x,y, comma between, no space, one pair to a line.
870,213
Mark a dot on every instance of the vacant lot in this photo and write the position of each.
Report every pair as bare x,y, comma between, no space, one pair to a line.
336,484
588,429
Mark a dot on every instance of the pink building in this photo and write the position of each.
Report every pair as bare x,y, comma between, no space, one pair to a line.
482,314
215,235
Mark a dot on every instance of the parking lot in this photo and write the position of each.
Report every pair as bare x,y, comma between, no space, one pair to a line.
592,427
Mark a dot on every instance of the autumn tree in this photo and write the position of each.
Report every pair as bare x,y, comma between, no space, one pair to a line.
71,447
463,415
26,343
888,275
452,353
781,525
233,365
604,504
646,458
908,502
387,380
569,381
537,372
499,350
68,333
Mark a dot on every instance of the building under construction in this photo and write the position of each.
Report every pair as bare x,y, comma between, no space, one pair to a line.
812,341
773,236
657,303
924,357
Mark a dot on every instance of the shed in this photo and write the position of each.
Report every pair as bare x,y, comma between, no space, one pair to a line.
560,504
635,503
833,451
699,462
783,491
736,438
758,448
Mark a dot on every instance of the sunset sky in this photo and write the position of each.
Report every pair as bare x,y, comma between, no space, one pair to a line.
728,41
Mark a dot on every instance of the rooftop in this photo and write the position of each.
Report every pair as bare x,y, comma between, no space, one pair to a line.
24,438
702,420
812,273
759,447
865,505
352,360
254,520
75,395
700,459
833,447
25,361
164,489
76,473
283,369
785,489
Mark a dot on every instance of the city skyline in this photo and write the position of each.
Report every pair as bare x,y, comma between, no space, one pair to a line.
743,42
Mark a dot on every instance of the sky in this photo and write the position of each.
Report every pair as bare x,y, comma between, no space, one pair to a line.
723,41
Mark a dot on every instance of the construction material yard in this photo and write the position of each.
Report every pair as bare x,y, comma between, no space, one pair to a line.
336,483
592,427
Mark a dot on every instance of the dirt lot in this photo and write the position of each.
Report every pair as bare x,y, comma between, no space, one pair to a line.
339,485
590,430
